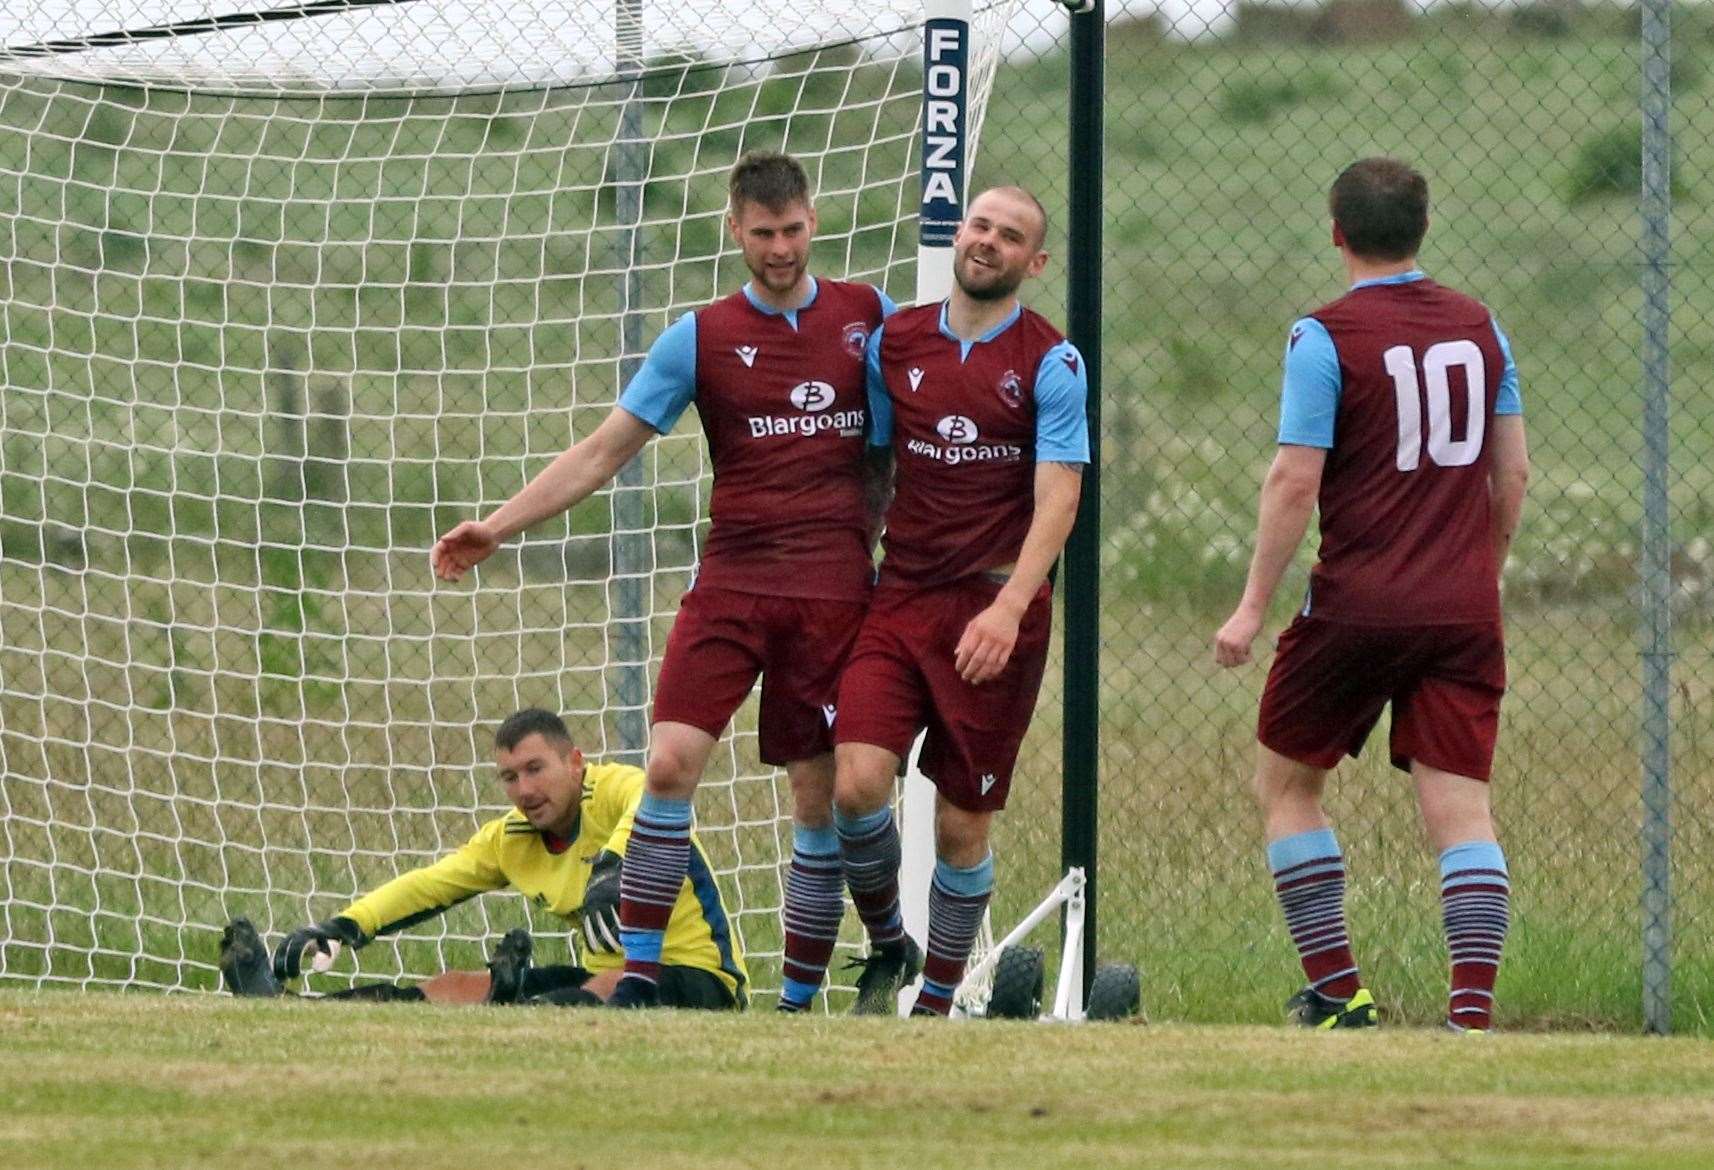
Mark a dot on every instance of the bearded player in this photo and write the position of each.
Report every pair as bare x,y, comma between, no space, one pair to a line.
982,401
1400,413
776,373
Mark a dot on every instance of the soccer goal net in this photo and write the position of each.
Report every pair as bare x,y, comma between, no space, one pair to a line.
284,293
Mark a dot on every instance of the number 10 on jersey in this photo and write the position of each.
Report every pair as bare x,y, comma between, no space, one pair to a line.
1443,449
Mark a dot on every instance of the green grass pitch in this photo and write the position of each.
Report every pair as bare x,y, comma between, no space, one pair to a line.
145,1081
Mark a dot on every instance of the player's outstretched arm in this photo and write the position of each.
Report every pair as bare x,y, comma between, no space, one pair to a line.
1508,477
987,642
1288,500
579,471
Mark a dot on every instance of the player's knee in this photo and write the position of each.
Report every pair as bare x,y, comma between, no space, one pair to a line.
670,773
862,783
812,792
960,836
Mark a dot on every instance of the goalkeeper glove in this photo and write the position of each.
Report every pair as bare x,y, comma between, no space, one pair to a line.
289,955
601,905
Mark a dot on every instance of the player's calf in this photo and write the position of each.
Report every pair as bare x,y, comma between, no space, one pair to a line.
815,903
957,902
1475,893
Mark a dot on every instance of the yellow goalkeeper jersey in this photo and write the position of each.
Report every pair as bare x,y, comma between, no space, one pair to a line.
510,852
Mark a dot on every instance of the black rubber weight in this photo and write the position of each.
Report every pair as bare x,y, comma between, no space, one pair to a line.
1116,992
1018,979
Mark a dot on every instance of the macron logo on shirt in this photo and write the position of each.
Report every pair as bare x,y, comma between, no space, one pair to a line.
915,374
747,354
1070,360
1295,335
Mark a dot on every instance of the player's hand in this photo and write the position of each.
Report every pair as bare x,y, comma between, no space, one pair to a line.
987,643
601,905
1232,644
462,549
312,940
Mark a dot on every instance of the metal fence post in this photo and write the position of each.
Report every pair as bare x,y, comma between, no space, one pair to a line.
1083,551
1656,612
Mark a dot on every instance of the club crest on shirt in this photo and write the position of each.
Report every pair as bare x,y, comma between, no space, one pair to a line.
1011,389
856,337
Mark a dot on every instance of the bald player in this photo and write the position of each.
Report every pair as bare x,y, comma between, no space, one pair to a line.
981,402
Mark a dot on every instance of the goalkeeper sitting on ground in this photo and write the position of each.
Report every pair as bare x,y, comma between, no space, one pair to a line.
562,846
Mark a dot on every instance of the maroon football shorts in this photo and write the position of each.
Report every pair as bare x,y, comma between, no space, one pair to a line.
901,679
1329,682
722,639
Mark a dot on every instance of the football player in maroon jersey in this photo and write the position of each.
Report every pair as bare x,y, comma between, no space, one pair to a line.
776,371
982,401
1401,417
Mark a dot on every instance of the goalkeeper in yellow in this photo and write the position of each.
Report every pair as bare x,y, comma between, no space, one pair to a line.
562,846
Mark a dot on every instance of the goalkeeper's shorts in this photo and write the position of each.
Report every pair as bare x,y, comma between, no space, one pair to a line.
722,639
902,678
692,987
679,986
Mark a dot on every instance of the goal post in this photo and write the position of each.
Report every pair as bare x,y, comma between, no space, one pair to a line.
281,302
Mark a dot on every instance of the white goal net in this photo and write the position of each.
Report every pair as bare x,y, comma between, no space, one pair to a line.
280,299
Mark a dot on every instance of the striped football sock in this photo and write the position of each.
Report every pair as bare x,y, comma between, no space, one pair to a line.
1309,879
656,862
1475,897
869,854
957,899
815,903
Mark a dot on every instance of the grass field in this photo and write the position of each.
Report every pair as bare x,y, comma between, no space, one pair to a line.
131,1081
258,353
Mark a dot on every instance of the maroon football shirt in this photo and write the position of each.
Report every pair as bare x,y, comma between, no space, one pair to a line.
964,434
784,412
1405,532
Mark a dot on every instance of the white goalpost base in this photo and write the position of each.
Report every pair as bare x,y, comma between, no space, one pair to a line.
1068,991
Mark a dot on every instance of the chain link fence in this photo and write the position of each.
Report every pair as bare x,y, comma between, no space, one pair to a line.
1226,123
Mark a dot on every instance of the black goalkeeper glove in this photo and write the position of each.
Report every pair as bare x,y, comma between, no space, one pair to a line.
601,905
289,955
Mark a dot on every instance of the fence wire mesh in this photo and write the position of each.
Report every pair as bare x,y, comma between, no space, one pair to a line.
1225,125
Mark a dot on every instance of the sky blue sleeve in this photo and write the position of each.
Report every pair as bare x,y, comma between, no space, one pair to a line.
1509,400
666,383
880,404
1062,396
1309,394
888,305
